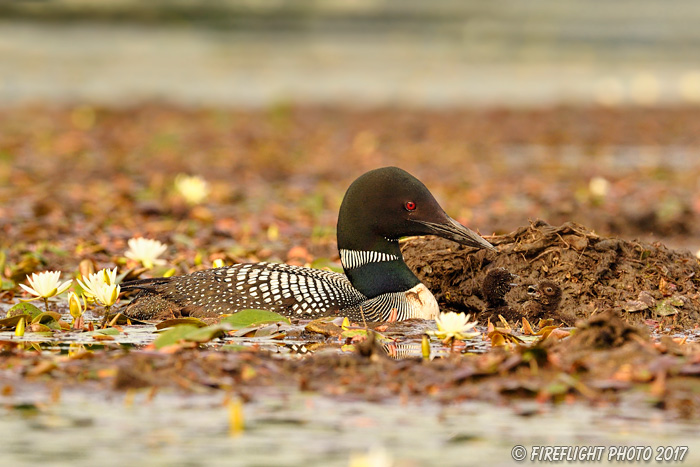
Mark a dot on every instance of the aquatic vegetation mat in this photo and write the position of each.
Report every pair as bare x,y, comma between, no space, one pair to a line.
617,189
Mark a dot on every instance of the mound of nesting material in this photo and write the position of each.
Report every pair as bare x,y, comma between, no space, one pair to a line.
639,280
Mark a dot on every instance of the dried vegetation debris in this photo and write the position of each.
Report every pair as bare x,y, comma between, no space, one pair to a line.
596,273
605,361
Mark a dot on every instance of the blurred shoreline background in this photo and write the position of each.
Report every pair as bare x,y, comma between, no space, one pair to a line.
362,53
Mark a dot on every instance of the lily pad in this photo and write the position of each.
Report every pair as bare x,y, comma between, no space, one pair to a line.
11,322
46,317
169,323
24,308
174,335
248,318
207,333
191,333
351,333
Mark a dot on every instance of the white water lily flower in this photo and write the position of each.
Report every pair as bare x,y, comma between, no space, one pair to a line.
107,294
191,187
452,326
46,284
109,275
146,251
91,283
599,187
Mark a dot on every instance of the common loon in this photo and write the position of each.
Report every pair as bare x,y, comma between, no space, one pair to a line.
379,207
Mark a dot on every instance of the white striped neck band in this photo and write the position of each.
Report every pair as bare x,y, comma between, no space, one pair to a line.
356,258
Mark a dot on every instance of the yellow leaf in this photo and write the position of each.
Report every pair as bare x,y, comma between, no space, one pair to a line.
497,340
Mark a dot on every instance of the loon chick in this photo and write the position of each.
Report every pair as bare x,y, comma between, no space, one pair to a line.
379,207
546,296
497,283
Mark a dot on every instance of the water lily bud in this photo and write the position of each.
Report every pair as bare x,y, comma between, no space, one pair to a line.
76,309
19,330
425,347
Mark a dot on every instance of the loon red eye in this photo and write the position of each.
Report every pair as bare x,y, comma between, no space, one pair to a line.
410,206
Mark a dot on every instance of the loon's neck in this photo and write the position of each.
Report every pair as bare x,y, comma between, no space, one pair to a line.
378,268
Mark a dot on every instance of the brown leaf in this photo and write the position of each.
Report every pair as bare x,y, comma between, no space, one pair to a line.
102,337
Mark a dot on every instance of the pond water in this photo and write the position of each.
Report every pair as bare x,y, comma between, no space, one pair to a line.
466,53
299,429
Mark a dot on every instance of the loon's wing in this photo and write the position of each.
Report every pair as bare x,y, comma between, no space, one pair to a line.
289,290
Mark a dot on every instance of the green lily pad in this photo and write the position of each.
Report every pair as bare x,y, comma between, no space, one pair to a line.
169,323
24,308
207,333
350,333
174,335
248,318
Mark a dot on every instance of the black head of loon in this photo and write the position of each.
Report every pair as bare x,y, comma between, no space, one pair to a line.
380,207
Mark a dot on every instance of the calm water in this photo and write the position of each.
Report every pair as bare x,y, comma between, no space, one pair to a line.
444,53
302,430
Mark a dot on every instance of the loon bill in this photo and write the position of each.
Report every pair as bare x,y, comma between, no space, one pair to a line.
378,209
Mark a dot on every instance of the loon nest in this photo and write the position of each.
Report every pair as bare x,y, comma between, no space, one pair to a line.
638,280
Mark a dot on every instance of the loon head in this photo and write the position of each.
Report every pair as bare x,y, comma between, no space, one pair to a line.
380,207
389,203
